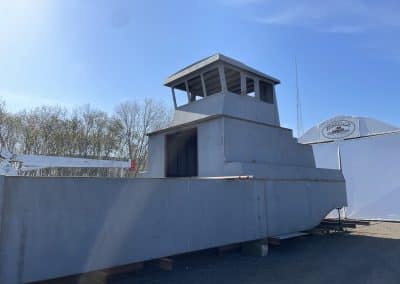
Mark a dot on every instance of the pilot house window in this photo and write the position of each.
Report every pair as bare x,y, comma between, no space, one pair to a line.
266,92
250,91
212,82
180,94
195,89
232,78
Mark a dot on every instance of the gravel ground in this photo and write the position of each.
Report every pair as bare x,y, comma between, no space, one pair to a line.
368,254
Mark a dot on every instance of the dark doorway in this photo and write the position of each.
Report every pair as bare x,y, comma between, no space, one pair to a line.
181,156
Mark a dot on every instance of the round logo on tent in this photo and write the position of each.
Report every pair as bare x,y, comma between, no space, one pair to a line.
338,129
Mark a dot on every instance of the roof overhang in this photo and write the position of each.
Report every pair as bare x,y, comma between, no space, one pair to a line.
196,122
197,66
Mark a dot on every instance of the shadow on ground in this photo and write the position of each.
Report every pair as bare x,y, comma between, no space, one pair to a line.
367,254
336,258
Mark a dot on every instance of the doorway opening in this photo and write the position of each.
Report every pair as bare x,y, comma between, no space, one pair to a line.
181,154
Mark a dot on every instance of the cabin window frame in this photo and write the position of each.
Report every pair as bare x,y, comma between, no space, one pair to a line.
193,76
244,75
267,96
226,68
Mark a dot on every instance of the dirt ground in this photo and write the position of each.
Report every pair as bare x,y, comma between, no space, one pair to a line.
368,254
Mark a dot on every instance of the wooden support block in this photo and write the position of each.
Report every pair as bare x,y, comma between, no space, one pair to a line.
274,241
255,248
128,268
358,222
166,264
96,277
349,225
228,248
349,221
346,223
338,225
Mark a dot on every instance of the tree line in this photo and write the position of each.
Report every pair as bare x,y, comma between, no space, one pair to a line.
84,132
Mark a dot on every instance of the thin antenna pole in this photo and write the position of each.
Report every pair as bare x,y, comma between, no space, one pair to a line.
298,104
339,156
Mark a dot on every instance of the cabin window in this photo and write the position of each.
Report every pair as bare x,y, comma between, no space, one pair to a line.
250,91
180,95
195,89
266,92
212,82
232,78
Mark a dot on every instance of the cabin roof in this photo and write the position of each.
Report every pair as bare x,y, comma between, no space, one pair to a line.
171,80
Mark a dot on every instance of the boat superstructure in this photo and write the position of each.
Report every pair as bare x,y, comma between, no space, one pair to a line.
228,125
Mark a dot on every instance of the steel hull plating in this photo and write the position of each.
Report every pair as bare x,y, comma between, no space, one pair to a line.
52,227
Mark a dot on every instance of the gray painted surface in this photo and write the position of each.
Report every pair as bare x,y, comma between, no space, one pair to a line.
230,104
52,227
230,146
258,143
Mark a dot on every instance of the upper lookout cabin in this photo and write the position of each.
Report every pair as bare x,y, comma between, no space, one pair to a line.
227,125
222,85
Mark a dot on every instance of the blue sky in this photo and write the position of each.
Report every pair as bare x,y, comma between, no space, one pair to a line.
74,52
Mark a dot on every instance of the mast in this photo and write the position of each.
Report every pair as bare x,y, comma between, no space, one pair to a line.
298,104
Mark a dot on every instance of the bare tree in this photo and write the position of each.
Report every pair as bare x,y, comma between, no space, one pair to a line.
84,132
9,126
137,120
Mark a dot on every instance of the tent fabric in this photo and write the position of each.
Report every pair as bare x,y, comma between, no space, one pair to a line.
345,127
370,165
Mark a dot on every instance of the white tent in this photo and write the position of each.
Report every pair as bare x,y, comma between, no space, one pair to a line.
368,152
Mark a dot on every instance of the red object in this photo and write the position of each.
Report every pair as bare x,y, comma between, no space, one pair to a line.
133,165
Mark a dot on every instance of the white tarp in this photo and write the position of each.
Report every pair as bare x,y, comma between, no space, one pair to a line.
345,127
371,167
